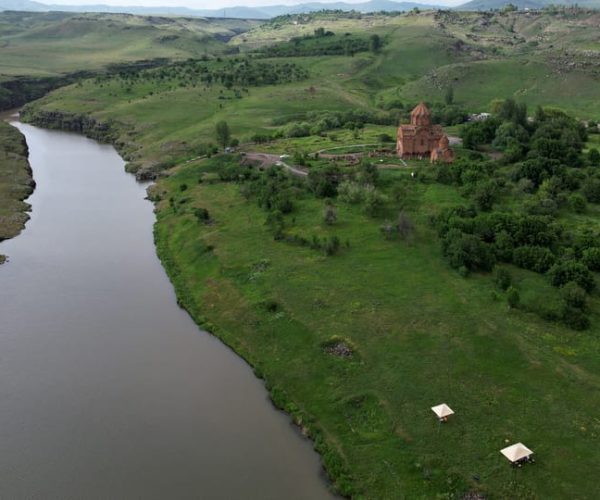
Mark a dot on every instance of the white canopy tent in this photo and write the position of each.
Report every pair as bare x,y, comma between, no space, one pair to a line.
442,411
516,452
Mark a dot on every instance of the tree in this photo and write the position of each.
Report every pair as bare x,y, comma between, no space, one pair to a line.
467,250
503,278
574,295
367,172
512,297
202,215
223,133
564,272
373,200
577,203
375,43
449,97
534,258
485,195
591,190
591,258
329,214
594,157
405,226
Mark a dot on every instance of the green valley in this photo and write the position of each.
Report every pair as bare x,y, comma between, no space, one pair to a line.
363,288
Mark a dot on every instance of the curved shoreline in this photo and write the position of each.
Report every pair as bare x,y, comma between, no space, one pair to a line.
16,182
333,464
211,392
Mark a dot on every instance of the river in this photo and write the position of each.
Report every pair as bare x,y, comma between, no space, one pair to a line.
107,388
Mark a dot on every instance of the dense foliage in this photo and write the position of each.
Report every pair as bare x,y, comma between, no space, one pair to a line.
544,169
322,43
237,71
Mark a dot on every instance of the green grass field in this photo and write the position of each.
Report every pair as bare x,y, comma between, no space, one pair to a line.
422,336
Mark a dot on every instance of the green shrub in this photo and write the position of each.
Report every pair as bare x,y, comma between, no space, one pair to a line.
574,296
577,203
591,258
591,190
202,215
575,318
503,278
594,157
467,250
534,258
512,297
564,272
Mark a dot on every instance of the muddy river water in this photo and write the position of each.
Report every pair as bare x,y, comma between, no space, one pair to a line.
107,388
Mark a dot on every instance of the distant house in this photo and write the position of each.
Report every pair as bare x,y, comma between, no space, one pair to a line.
421,138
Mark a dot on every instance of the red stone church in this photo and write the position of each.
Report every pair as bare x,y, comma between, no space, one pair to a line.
421,139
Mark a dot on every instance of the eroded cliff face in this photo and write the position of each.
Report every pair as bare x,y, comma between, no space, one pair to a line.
17,91
16,182
71,122
110,132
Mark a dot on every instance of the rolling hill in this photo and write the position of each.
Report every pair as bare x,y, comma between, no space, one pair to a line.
238,12
270,11
39,50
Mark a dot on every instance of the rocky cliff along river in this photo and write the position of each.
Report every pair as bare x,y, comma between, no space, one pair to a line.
107,388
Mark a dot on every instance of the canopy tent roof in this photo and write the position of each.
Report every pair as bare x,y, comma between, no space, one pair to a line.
516,452
442,410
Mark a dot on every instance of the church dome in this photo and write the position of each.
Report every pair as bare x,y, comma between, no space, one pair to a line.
420,115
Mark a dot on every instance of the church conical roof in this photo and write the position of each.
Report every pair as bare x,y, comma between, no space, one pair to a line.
444,142
420,110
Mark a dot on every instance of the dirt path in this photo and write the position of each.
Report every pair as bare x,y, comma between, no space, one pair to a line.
268,160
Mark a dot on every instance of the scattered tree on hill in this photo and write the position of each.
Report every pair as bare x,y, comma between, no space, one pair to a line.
405,226
375,43
449,96
223,134
329,214
512,297
564,272
503,278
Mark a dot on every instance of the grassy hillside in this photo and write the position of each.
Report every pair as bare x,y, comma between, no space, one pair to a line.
548,56
45,44
42,51
418,335
482,57
522,4
358,339
16,182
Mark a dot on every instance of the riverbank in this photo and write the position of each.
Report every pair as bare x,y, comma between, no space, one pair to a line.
333,461
16,182
114,132
131,399
358,346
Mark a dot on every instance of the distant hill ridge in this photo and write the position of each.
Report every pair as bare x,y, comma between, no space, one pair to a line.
267,12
